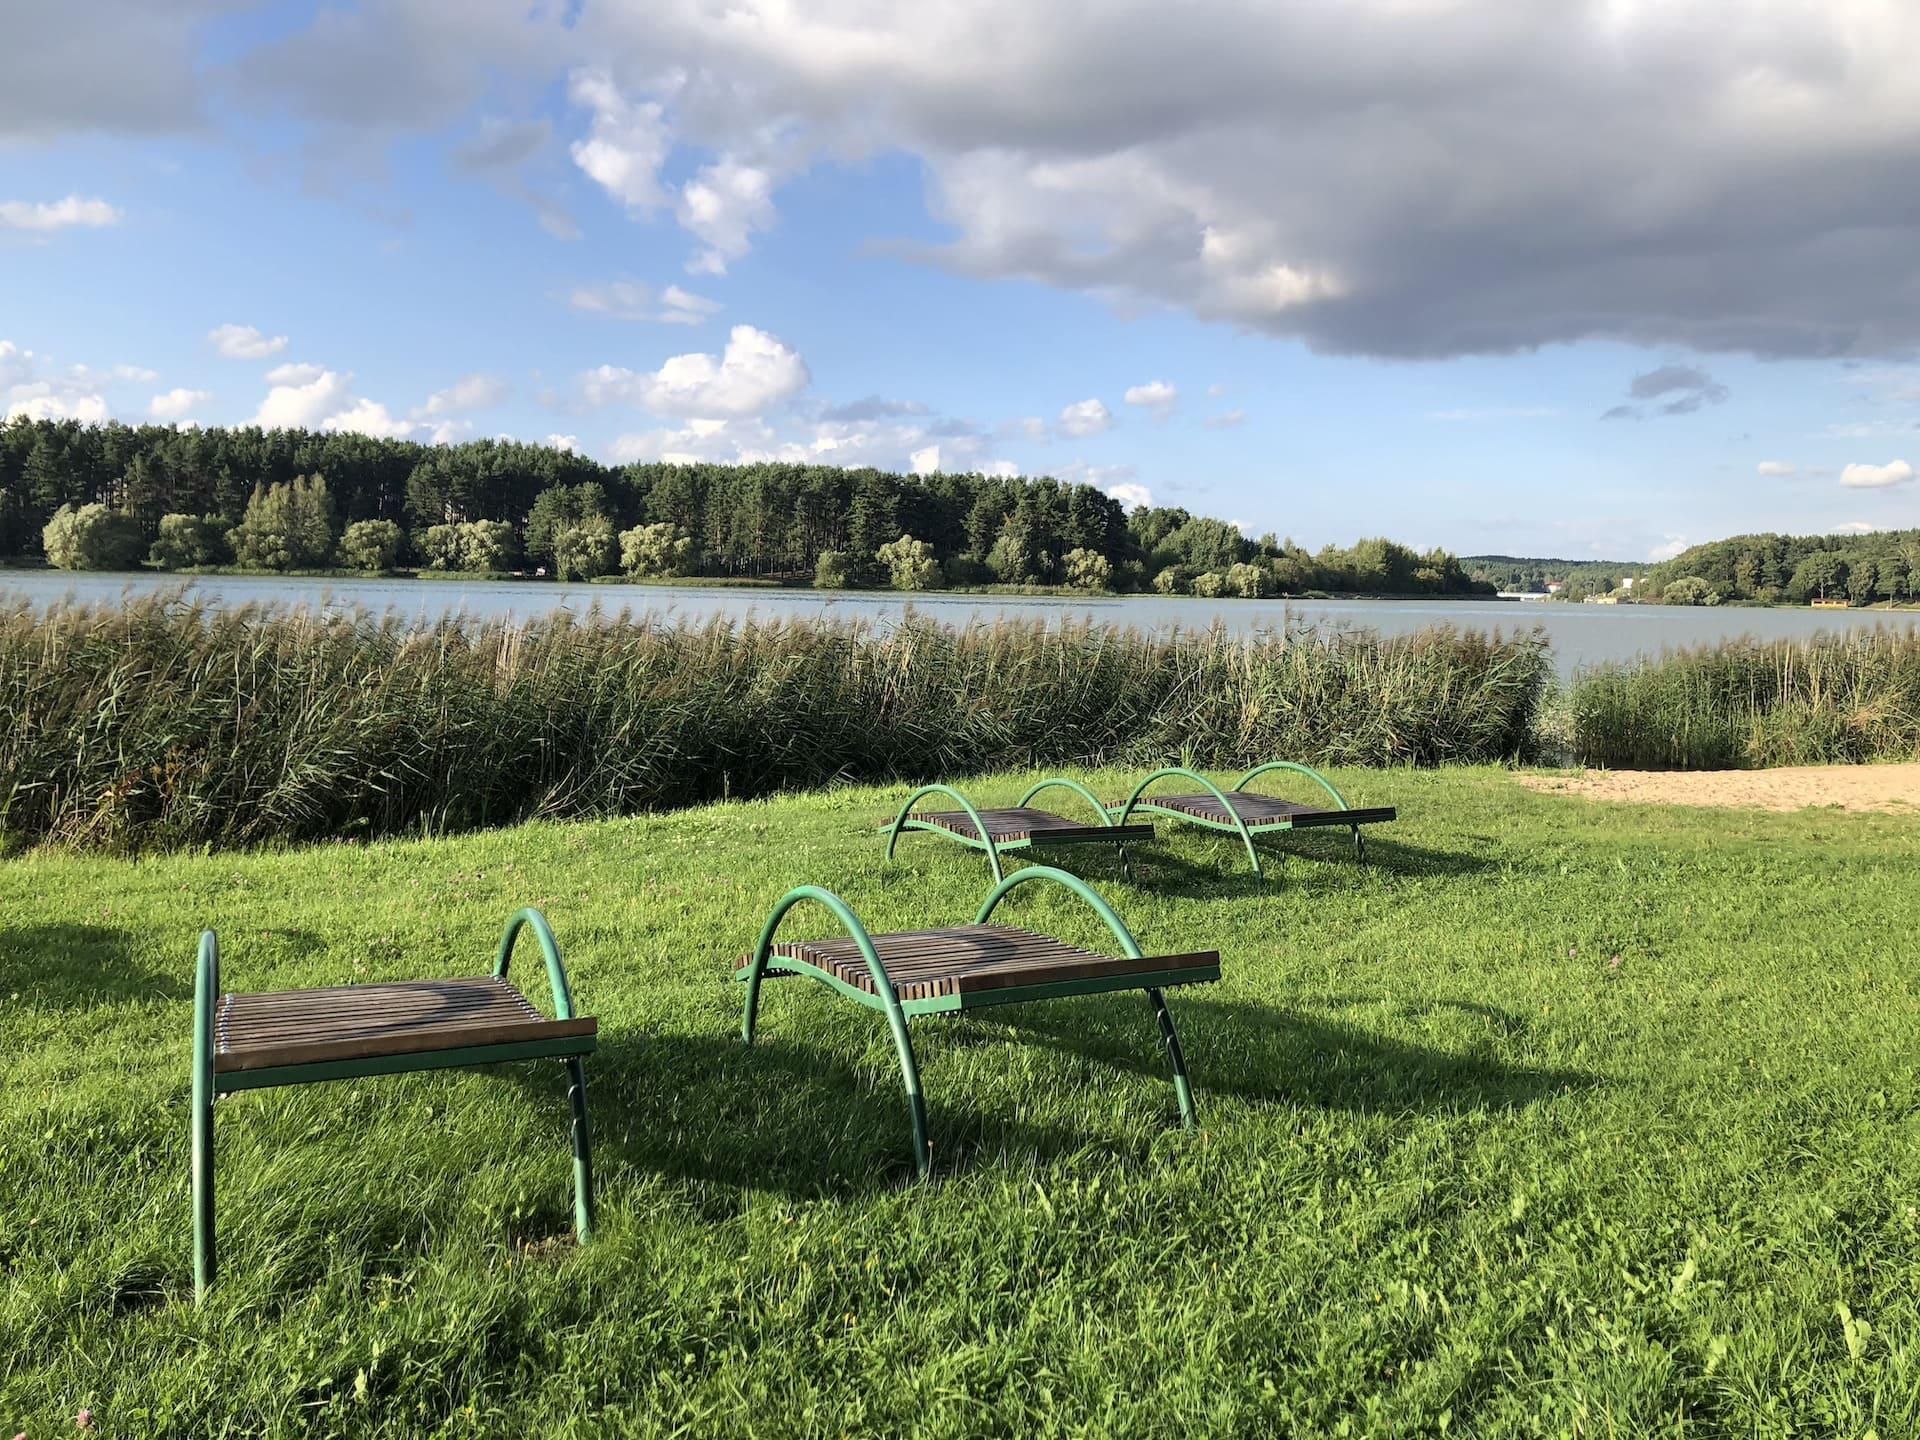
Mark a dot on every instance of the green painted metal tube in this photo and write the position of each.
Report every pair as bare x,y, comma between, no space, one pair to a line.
206,996
1074,785
979,825
1299,769
1129,946
1176,1057
532,919
1246,837
1359,840
882,984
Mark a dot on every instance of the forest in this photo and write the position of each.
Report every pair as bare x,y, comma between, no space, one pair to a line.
121,497
1882,565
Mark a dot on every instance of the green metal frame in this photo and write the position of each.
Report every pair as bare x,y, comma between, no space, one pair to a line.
1234,824
884,999
208,1085
996,848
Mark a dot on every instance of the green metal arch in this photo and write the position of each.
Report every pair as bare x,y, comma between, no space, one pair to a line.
1246,837
882,984
1074,785
206,996
979,825
1129,946
532,919
1295,766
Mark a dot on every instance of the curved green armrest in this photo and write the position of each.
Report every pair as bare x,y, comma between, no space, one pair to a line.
1307,770
532,919
1128,945
979,825
1078,788
1185,774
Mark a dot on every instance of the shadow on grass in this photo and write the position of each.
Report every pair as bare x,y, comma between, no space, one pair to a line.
64,967
1225,872
786,1114
1263,1054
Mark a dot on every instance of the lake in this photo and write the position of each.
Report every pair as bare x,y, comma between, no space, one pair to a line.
1580,634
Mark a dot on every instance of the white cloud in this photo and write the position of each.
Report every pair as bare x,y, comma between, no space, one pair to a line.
301,399
294,373
28,390
1874,477
564,442
1856,527
1669,548
174,404
628,300
927,461
755,372
470,393
1226,419
1026,427
369,417
1083,418
626,144
1776,469
1004,469
244,342
48,216
1131,495
1156,397
723,205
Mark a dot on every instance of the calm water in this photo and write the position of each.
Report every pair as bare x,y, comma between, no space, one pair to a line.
1581,634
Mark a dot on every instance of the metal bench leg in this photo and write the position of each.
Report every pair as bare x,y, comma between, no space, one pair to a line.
1181,1086
582,1152
205,997
916,1103
1359,845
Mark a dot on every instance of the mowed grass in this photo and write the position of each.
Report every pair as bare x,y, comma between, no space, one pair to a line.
1556,1119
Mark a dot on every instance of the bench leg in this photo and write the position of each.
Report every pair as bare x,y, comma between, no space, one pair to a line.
582,1152
1182,1088
916,1103
1359,845
203,1236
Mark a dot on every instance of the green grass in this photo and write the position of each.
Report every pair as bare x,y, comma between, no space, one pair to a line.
1461,1170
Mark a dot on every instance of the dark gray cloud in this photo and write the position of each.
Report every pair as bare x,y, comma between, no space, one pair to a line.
873,407
1690,387
1379,177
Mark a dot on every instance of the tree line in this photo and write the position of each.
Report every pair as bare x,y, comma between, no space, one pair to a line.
1865,569
117,496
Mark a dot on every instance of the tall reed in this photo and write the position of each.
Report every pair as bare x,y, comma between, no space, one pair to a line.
167,723
1832,698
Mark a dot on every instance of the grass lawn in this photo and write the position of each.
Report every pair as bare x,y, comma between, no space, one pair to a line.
1557,1119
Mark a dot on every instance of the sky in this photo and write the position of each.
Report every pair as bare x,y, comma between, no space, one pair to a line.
1581,278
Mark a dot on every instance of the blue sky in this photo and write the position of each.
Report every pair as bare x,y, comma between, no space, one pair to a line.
1191,262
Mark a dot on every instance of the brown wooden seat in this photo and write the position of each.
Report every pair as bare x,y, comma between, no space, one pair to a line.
1261,812
1022,823
363,1022
968,965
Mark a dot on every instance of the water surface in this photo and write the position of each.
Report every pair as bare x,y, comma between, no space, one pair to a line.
1580,634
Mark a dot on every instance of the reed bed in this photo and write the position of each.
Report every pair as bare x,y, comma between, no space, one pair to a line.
166,723
1745,703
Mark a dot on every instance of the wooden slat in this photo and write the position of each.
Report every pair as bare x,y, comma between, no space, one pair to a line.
1022,823
967,959
358,1022
1257,810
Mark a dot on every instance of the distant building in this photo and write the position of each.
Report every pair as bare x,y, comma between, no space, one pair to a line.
1554,587
1627,583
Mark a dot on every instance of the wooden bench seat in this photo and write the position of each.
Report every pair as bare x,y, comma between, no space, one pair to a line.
970,965
1264,812
1022,823
363,1022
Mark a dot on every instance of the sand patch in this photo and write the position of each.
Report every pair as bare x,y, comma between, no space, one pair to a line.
1789,787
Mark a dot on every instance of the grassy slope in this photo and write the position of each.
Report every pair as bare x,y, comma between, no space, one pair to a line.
1457,1169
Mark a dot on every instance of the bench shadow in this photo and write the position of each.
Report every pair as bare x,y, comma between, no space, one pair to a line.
1264,1054
1226,873
73,966
787,1114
